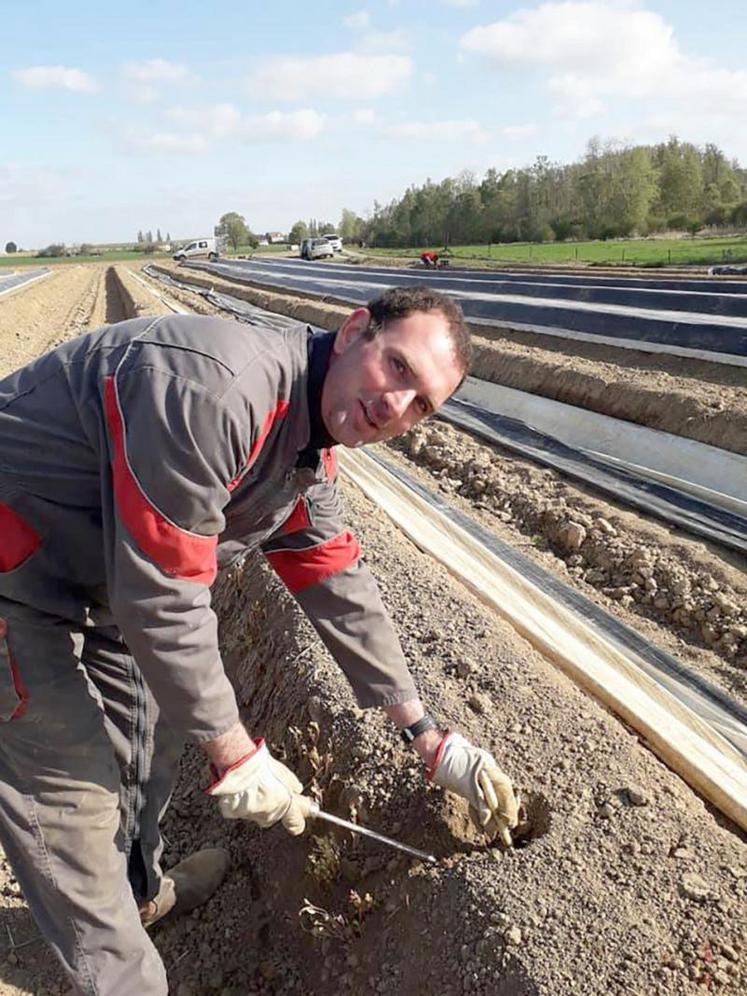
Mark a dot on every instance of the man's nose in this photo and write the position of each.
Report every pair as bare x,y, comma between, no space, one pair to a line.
397,402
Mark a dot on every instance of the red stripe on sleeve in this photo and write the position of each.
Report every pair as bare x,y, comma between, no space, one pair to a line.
178,553
300,569
19,539
272,417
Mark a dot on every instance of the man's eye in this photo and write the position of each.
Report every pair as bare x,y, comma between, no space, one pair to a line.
423,406
398,365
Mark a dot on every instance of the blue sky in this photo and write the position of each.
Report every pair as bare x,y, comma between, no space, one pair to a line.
119,117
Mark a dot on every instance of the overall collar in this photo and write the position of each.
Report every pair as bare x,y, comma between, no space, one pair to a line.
320,350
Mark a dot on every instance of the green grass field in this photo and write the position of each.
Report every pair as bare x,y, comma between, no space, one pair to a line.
278,247
629,252
637,252
15,259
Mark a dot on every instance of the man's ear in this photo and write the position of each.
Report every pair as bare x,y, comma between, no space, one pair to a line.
351,329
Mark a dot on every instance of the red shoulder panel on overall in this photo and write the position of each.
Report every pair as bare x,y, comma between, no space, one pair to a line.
178,552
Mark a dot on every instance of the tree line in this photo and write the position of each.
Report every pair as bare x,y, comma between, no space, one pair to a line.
233,227
612,192
147,237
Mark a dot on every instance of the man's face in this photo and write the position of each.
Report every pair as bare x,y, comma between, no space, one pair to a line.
378,388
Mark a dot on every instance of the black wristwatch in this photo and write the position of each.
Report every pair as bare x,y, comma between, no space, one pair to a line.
409,733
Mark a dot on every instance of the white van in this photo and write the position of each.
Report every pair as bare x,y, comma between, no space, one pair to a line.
209,247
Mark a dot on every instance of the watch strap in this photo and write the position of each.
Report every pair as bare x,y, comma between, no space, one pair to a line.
427,722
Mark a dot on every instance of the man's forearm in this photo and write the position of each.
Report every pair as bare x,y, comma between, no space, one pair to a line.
229,747
236,743
405,714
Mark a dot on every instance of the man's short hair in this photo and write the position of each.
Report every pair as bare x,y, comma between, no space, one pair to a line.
401,302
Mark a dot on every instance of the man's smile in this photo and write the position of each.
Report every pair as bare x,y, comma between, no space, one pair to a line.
367,416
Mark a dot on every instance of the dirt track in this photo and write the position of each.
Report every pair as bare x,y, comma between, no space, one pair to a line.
36,318
630,884
74,299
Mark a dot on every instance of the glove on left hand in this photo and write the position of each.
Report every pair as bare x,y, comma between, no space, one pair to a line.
474,774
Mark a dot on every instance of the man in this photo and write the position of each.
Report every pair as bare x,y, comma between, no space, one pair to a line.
429,259
133,462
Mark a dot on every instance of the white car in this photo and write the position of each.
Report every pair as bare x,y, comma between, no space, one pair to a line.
316,249
335,241
209,247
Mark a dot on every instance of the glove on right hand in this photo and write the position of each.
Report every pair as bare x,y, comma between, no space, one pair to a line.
261,789
474,774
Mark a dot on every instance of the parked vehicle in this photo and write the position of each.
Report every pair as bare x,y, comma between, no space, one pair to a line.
316,249
210,247
716,271
335,241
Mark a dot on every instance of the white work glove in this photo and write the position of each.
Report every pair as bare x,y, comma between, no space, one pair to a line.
474,774
261,789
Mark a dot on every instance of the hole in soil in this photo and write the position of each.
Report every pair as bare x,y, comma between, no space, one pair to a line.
454,832
535,817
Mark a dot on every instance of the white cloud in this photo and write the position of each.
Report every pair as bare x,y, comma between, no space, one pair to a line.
396,40
438,131
225,121
195,131
518,131
220,120
591,51
167,142
464,131
279,126
358,21
146,79
56,77
343,75
37,201
155,71
461,3
364,116
27,182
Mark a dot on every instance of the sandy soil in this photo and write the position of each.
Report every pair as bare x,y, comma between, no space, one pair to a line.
40,316
686,594
74,299
138,302
626,883
693,398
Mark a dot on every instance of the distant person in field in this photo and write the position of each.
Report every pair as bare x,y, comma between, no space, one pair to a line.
134,462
